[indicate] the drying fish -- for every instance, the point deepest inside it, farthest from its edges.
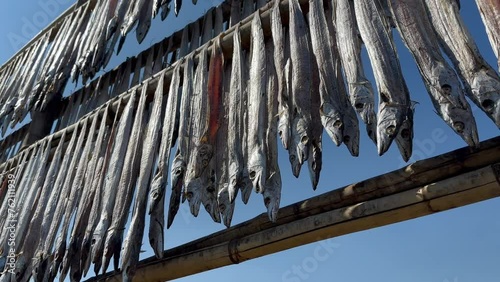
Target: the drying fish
(300, 61)
(179, 163)
(439, 78)
(132, 244)
(28, 208)
(28, 248)
(349, 45)
(248, 8)
(202, 147)
(80, 192)
(103, 158)
(177, 7)
(215, 100)
(112, 179)
(394, 98)
(128, 179)
(165, 9)
(195, 37)
(65, 207)
(314, 161)
(292, 153)
(219, 20)
(224, 205)
(235, 126)
(235, 16)
(336, 113)
(351, 124)
(207, 27)
(279, 61)
(490, 13)
(272, 193)
(53, 213)
(144, 21)
(159, 182)
(482, 83)
(256, 161)
(85, 206)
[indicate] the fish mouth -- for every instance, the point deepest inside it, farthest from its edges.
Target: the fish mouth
(272, 205)
(383, 142)
(232, 188)
(256, 175)
(371, 130)
(467, 132)
(352, 144)
(333, 124)
(246, 187)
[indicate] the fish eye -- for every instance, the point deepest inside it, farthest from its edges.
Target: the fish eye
(359, 106)
(488, 105)
(204, 162)
(267, 201)
(222, 207)
(304, 140)
(210, 189)
(252, 174)
(337, 123)
(390, 130)
(446, 88)
(405, 133)
(292, 158)
(459, 126)
(233, 182)
(347, 138)
(189, 195)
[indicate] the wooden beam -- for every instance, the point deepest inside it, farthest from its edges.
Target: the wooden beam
(447, 181)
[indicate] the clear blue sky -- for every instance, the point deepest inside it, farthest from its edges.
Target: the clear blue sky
(460, 245)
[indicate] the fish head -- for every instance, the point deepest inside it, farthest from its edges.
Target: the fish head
(246, 187)
(404, 140)
(462, 121)
(157, 192)
(178, 170)
(193, 194)
(332, 122)
(204, 153)
(234, 173)
(142, 30)
(209, 198)
(363, 104)
(272, 196)
(226, 206)
(315, 163)
(390, 119)
(485, 86)
(257, 171)
(351, 134)
(294, 161)
(112, 27)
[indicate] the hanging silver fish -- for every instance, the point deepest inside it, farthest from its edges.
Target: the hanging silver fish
(482, 83)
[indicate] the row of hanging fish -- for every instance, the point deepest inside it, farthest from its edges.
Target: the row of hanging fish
(83, 45)
(222, 117)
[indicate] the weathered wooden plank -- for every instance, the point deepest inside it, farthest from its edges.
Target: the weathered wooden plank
(420, 200)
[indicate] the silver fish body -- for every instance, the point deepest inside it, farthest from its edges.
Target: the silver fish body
(440, 79)
(482, 83)
(394, 98)
(349, 45)
(256, 108)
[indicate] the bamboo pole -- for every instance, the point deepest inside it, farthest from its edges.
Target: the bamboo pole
(457, 191)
